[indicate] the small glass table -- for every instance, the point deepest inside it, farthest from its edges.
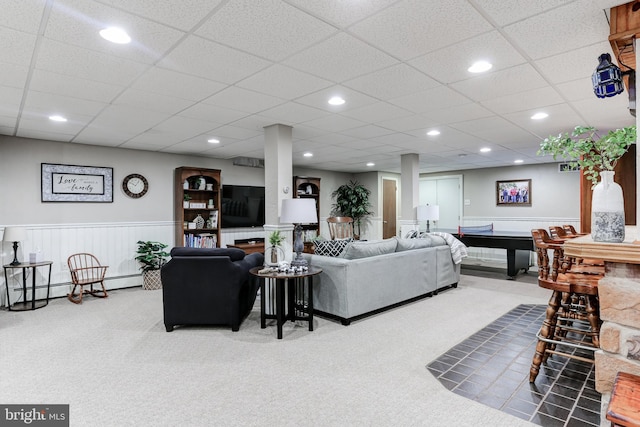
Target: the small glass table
(299, 304)
(25, 304)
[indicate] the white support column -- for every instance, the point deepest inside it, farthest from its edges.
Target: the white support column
(410, 194)
(278, 177)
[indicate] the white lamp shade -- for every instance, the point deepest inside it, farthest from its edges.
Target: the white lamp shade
(14, 234)
(299, 211)
(428, 213)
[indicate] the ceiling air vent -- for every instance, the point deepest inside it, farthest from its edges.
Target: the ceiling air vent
(249, 162)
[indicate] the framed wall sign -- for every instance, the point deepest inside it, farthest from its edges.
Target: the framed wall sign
(71, 183)
(513, 193)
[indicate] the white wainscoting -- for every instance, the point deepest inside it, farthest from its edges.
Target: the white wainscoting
(114, 244)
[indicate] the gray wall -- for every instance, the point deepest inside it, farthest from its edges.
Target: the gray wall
(553, 194)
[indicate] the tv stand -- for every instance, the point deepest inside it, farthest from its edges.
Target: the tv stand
(249, 246)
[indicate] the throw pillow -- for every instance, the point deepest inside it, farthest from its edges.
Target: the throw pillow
(332, 248)
(359, 249)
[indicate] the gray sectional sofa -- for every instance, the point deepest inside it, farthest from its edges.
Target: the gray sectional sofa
(371, 276)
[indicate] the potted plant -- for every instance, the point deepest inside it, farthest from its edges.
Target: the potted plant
(352, 200)
(597, 157)
(152, 256)
(275, 239)
(185, 203)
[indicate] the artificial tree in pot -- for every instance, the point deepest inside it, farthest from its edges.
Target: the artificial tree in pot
(152, 257)
(352, 200)
(597, 157)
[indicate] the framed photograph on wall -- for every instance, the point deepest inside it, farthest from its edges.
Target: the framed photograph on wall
(513, 193)
(71, 183)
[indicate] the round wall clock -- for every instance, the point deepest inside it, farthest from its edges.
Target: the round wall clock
(135, 185)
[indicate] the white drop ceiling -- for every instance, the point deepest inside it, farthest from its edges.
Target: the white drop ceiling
(201, 69)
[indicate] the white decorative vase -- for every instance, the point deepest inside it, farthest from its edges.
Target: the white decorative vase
(607, 210)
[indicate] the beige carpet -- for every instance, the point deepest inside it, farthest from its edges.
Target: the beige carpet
(113, 362)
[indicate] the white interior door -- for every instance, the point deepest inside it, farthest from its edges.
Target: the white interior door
(445, 192)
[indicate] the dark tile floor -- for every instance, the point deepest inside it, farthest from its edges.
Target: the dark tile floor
(492, 367)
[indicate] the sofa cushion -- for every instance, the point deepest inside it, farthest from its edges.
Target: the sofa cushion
(358, 249)
(410, 244)
(233, 253)
(331, 247)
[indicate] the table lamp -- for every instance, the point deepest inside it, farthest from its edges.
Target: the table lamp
(298, 211)
(15, 235)
(428, 213)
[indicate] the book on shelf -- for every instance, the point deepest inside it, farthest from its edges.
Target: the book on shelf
(203, 240)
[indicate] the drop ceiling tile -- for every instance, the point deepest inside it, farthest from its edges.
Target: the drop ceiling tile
(179, 85)
(12, 75)
(243, 100)
(152, 101)
(374, 113)
(321, 98)
(67, 106)
(408, 123)
(292, 113)
(78, 22)
(41, 123)
(278, 30)
(450, 64)
(183, 15)
(576, 90)
(587, 27)
(392, 82)
(432, 99)
(537, 98)
(11, 98)
(16, 46)
(60, 84)
(339, 12)
(341, 57)
(46, 134)
(517, 79)
(235, 132)
(72, 61)
(104, 134)
(517, 9)
(217, 114)
(558, 114)
(204, 58)
(22, 15)
(184, 128)
(284, 82)
(493, 129)
(579, 63)
(458, 113)
(365, 132)
(127, 119)
(606, 114)
(412, 28)
(334, 123)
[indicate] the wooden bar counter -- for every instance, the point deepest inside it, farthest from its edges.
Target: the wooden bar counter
(619, 296)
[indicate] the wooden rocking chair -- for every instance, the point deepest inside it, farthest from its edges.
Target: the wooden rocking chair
(86, 270)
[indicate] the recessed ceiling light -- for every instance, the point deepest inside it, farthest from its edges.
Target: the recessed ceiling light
(539, 116)
(433, 132)
(485, 149)
(336, 100)
(213, 141)
(518, 161)
(371, 164)
(480, 67)
(308, 154)
(115, 35)
(57, 118)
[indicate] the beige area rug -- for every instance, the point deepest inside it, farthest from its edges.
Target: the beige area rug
(113, 363)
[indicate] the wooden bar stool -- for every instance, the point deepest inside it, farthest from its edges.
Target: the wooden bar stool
(572, 318)
(624, 406)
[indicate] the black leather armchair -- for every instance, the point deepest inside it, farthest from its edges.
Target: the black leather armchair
(208, 286)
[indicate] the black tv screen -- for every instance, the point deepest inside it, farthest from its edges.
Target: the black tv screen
(242, 206)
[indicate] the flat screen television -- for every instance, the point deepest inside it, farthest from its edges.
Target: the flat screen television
(242, 206)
